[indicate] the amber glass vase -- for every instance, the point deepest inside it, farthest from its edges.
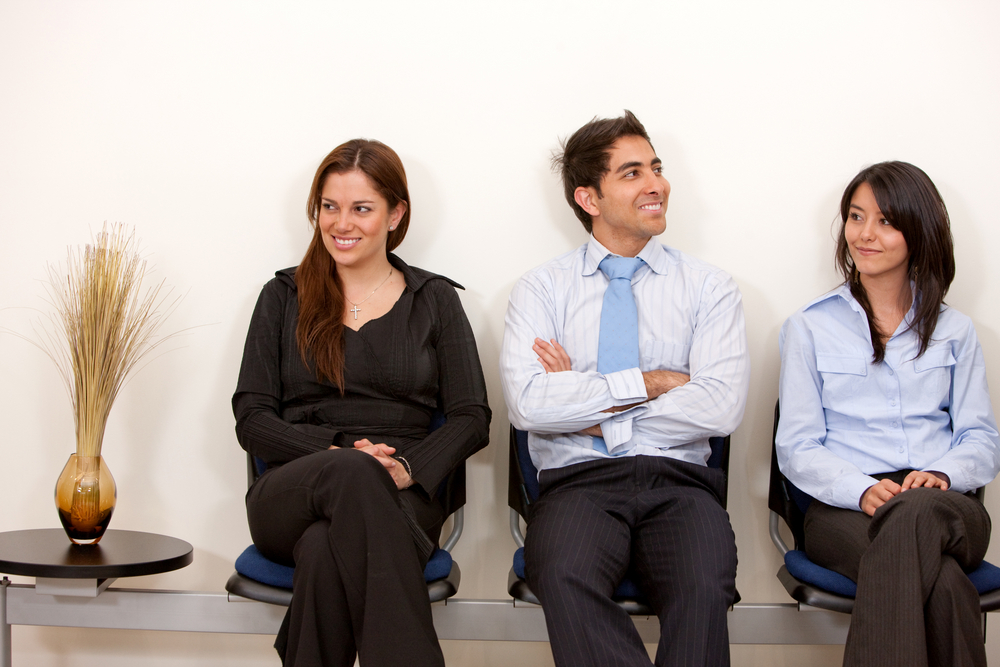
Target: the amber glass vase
(85, 497)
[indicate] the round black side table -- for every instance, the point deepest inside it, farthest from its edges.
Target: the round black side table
(120, 553)
(63, 568)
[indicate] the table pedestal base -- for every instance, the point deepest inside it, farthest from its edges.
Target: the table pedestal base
(78, 588)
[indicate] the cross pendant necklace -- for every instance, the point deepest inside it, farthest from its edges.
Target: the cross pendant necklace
(356, 308)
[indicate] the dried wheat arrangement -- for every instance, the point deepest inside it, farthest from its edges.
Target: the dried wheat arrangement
(104, 324)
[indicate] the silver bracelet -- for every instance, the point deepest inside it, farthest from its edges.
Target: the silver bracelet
(406, 464)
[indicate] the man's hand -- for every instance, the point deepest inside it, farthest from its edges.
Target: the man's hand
(551, 355)
(878, 495)
(930, 480)
(383, 454)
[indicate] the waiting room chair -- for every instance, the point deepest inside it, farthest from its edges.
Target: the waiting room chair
(258, 578)
(522, 492)
(817, 586)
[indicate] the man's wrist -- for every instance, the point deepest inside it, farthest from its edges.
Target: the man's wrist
(660, 382)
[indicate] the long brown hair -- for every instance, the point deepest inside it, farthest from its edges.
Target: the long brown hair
(320, 330)
(912, 204)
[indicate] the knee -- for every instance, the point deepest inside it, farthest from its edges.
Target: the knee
(915, 500)
(352, 467)
(919, 504)
(313, 548)
(712, 577)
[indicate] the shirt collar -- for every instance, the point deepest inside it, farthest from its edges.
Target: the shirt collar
(844, 292)
(652, 254)
(415, 278)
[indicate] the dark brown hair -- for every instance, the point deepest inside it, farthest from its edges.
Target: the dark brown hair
(585, 156)
(320, 330)
(910, 202)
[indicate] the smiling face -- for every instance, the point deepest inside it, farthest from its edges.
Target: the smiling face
(355, 219)
(878, 249)
(632, 205)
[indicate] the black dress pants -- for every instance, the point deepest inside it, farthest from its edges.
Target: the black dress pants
(915, 605)
(359, 586)
(656, 519)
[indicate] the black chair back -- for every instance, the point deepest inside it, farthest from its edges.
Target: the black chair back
(784, 498)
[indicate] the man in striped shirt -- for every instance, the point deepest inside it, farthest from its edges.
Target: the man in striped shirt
(622, 454)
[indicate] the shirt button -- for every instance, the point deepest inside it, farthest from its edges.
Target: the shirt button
(892, 402)
(900, 450)
(894, 426)
(890, 371)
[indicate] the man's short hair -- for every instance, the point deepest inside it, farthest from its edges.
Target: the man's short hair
(585, 156)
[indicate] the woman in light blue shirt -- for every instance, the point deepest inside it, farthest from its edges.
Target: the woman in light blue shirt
(886, 422)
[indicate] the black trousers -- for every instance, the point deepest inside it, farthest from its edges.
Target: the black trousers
(359, 587)
(658, 520)
(915, 605)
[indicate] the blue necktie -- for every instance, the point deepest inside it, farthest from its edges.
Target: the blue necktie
(618, 345)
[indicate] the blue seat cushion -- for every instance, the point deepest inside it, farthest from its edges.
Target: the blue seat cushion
(626, 589)
(438, 567)
(985, 578)
(519, 563)
(806, 571)
(253, 565)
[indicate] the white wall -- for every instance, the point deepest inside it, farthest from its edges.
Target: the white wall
(200, 123)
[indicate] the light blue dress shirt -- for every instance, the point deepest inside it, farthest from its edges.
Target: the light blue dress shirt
(690, 321)
(844, 418)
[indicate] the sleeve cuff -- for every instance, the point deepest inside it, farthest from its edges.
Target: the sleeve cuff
(618, 429)
(626, 386)
(851, 490)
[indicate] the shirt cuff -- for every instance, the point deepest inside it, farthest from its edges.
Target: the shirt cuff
(626, 386)
(617, 429)
(851, 490)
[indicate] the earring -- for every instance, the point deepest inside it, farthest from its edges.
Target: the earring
(392, 229)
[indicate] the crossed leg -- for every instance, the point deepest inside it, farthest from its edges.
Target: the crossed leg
(914, 606)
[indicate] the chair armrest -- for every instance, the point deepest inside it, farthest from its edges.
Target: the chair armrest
(458, 524)
(515, 528)
(773, 528)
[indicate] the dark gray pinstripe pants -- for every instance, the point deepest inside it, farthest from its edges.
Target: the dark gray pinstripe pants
(659, 521)
(915, 605)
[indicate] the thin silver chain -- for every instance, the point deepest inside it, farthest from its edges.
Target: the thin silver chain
(356, 308)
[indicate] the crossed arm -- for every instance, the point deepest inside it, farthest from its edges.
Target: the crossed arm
(698, 357)
(554, 359)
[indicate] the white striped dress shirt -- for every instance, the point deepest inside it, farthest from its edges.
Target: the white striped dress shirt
(690, 321)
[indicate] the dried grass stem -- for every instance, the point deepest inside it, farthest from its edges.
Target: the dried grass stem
(105, 325)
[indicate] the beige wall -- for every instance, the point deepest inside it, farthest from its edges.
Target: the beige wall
(200, 123)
